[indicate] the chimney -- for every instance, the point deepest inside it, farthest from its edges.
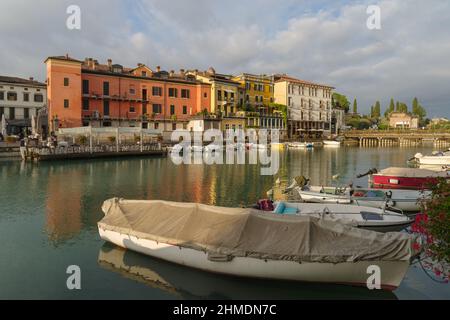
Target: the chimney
(90, 63)
(158, 68)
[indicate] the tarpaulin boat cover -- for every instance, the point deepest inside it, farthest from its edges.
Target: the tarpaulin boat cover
(245, 232)
(412, 173)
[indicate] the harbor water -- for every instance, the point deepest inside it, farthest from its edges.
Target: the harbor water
(49, 213)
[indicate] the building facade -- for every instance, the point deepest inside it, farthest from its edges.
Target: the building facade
(83, 93)
(224, 91)
(403, 121)
(310, 112)
(20, 100)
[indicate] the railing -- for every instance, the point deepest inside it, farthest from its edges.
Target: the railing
(85, 149)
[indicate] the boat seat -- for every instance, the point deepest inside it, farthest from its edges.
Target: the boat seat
(371, 216)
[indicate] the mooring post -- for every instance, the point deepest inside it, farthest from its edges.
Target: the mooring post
(117, 139)
(90, 139)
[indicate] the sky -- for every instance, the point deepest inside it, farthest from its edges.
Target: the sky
(324, 41)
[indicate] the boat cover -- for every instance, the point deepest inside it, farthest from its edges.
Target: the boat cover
(411, 173)
(246, 232)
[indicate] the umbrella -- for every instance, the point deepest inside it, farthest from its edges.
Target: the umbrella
(33, 125)
(3, 125)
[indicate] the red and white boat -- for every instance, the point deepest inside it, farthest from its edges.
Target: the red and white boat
(405, 178)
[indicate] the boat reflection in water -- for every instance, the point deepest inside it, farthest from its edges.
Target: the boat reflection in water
(187, 283)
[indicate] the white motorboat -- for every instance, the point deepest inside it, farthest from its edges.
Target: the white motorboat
(436, 159)
(331, 143)
(404, 200)
(297, 145)
(243, 242)
(370, 218)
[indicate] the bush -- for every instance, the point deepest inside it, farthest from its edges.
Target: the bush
(434, 225)
(81, 140)
(112, 139)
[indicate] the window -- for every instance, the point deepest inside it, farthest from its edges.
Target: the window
(106, 88)
(247, 98)
(184, 109)
(232, 95)
(205, 95)
(106, 108)
(85, 86)
(132, 109)
(26, 96)
(255, 87)
(156, 125)
(247, 86)
(26, 113)
(173, 92)
(157, 91)
(144, 73)
(172, 109)
(12, 96)
(66, 82)
(38, 98)
(2, 95)
(174, 126)
(157, 108)
(185, 93)
(12, 113)
(85, 104)
(219, 95)
(66, 103)
(132, 91)
(144, 109)
(2, 111)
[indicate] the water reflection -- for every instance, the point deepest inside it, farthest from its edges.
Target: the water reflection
(187, 283)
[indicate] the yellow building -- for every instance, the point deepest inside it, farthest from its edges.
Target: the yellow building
(224, 91)
(256, 91)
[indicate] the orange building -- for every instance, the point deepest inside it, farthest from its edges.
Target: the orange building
(83, 93)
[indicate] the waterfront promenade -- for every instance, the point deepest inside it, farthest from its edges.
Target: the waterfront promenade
(398, 137)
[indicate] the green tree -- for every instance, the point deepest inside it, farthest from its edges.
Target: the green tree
(418, 110)
(390, 109)
(372, 112)
(402, 107)
(339, 101)
(377, 110)
(355, 106)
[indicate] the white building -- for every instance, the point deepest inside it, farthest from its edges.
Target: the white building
(20, 99)
(310, 111)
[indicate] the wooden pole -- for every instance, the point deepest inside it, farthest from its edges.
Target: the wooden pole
(117, 139)
(90, 139)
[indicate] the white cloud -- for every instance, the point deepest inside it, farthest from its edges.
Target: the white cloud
(315, 40)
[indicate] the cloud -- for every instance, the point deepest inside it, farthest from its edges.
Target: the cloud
(324, 41)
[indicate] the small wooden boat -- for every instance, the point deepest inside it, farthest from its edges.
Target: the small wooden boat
(405, 178)
(369, 218)
(243, 242)
(404, 200)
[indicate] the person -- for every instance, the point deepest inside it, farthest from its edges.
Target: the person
(23, 147)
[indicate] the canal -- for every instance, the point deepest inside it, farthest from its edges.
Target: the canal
(49, 211)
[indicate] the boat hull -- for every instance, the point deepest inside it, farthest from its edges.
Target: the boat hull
(395, 182)
(351, 273)
(434, 160)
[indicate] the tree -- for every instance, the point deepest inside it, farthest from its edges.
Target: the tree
(402, 107)
(372, 112)
(419, 111)
(390, 109)
(339, 101)
(377, 110)
(355, 106)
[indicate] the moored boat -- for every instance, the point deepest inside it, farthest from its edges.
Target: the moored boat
(404, 200)
(331, 143)
(297, 145)
(244, 242)
(405, 178)
(436, 159)
(369, 218)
